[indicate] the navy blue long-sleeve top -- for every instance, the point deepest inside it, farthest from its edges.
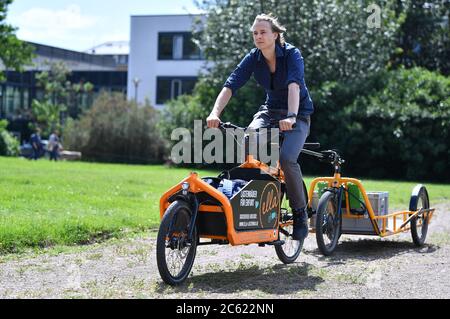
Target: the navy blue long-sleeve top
(289, 69)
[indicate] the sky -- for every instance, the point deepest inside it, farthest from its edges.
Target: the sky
(82, 24)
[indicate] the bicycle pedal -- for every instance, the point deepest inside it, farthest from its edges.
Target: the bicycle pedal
(287, 218)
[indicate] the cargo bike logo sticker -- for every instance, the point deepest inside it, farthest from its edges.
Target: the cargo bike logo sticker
(270, 203)
(256, 206)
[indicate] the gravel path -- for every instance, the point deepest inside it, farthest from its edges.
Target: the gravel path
(362, 267)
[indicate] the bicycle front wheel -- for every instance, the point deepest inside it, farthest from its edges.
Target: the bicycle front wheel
(175, 254)
(328, 223)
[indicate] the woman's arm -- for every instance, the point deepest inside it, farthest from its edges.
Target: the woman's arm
(222, 100)
(293, 98)
(236, 80)
(293, 105)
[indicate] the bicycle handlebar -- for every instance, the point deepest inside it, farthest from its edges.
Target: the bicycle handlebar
(273, 124)
(226, 125)
(329, 156)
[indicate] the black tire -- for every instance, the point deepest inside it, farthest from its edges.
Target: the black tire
(178, 215)
(328, 223)
(419, 224)
(291, 249)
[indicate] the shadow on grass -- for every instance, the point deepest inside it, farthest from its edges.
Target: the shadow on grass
(277, 279)
(372, 249)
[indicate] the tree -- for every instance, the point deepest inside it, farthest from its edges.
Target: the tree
(80, 96)
(48, 111)
(334, 36)
(403, 127)
(395, 125)
(60, 96)
(13, 52)
(363, 97)
(424, 37)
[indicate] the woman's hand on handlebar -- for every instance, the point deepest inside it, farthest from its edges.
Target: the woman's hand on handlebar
(287, 124)
(213, 121)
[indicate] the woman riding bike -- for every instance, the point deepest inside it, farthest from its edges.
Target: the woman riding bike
(278, 67)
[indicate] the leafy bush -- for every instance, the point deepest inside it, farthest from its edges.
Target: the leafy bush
(116, 130)
(9, 145)
(406, 126)
(394, 126)
(181, 113)
(422, 39)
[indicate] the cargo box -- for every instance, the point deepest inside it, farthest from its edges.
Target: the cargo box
(361, 224)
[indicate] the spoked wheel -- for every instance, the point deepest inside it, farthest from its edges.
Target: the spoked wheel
(290, 250)
(419, 224)
(328, 223)
(175, 254)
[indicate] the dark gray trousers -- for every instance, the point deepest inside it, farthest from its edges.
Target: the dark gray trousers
(293, 143)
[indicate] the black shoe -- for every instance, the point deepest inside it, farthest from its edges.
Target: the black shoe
(301, 229)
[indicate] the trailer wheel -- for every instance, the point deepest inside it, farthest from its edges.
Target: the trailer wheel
(419, 224)
(174, 253)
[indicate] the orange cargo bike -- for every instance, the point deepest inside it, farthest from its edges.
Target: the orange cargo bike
(242, 206)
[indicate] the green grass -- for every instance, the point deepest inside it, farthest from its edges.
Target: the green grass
(45, 203)
(400, 192)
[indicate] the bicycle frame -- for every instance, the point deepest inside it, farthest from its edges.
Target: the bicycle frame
(249, 214)
(197, 185)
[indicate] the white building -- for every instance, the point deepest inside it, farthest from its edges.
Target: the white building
(163, 60)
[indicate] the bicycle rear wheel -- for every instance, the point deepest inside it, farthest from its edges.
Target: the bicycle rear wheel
(291, 249)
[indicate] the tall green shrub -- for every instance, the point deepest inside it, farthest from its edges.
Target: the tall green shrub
(116, 130)
(9, 145)
(396, 125)
(406, 126)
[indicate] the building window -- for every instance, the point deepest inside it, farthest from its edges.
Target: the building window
(2, 102)
(13, 103)
(177, 51)
(177, 46)
(11, 100)
(169, 88)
